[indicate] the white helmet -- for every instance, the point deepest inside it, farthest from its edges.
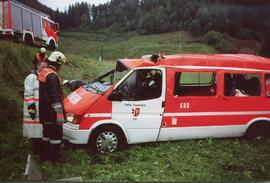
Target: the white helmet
(42, 50)
(65, 81)
(57, 57)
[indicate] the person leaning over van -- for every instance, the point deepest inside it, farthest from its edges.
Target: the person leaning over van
(51, 107)
(73, 84)
(32, 127)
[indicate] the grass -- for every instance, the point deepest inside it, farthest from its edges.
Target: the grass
(189, 160)
(129, 45)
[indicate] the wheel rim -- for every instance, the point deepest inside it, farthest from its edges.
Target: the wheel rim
(259, 138)
(106, 142)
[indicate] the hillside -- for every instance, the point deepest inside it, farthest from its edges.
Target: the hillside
(130, 45)
(190, 160)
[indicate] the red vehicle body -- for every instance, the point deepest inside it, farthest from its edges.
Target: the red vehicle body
(27, 24)
(191, 97)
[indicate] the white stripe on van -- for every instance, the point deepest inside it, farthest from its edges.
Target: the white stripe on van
(231, 113)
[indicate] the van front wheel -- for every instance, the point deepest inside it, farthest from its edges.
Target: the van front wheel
(106, 139)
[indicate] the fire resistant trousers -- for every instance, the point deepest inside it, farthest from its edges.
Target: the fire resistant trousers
(52, 138)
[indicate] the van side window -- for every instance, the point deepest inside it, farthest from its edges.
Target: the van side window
(144, 84)
(195, 84)
(267, 85)
(241, 85)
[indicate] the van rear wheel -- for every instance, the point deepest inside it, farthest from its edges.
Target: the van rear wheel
(29, 40)
(51, 46)
(258, 131)
(106, 139)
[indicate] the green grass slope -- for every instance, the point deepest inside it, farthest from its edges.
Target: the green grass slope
(129, 45)
(189, 160)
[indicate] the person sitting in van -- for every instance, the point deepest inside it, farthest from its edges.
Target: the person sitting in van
(240, 85)
(240, 93)
(144, 84)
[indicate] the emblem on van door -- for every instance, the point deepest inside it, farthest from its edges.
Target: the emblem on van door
(136, 112)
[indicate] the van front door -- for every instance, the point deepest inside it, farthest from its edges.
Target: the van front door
(140, 107)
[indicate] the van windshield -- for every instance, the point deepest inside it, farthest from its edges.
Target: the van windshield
(103, 83)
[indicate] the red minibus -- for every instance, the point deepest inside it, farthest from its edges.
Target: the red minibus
(171, 98)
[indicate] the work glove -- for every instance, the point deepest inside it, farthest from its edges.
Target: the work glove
(60, 119)
(32, 111)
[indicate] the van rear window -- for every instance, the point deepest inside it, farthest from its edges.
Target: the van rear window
(242, 85)
(195, 84)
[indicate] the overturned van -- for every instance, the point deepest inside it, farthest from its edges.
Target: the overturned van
(174, 97)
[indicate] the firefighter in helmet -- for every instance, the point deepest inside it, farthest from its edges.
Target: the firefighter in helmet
(52, 114)
(40, 56)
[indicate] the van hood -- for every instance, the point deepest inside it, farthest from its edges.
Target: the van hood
(79, 101)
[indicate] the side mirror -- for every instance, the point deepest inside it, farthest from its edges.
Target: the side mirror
(115, 96)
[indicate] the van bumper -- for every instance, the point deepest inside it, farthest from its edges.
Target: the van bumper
(74, 135)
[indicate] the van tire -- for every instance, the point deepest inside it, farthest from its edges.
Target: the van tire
(28, 40)
(51, 45)
(110, 130)
(257, 131)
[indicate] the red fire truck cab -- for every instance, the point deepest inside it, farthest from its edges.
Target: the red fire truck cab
(177, 97)
(27, 24)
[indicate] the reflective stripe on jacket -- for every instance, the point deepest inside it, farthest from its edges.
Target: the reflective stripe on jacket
(31, 127)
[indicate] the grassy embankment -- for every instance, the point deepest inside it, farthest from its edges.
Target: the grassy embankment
(190, 160)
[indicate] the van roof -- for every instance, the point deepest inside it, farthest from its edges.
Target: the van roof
(210, 60)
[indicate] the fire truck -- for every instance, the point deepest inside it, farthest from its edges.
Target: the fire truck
(175, 97)
(27, 24)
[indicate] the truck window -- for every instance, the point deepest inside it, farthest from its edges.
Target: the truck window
(145, 84)
(267, 85)
(241, 85)
(195, 84)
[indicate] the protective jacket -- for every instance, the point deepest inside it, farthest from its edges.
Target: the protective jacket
(38, 58)
(51, 94)
(31, 124)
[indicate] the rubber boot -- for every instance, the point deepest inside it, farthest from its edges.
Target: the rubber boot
(44, 151)
(54, 153)
(36, 145)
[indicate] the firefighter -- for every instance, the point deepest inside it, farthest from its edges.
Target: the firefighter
(40, 56)
(31, 125)
(51, 107)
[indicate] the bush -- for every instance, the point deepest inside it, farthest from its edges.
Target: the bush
(265, 48)
(248, 34)
(10, 113)
(195, 28)
(226, 46)
(117, 28)
(221, 41)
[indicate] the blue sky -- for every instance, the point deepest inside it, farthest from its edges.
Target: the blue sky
(62, 4)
